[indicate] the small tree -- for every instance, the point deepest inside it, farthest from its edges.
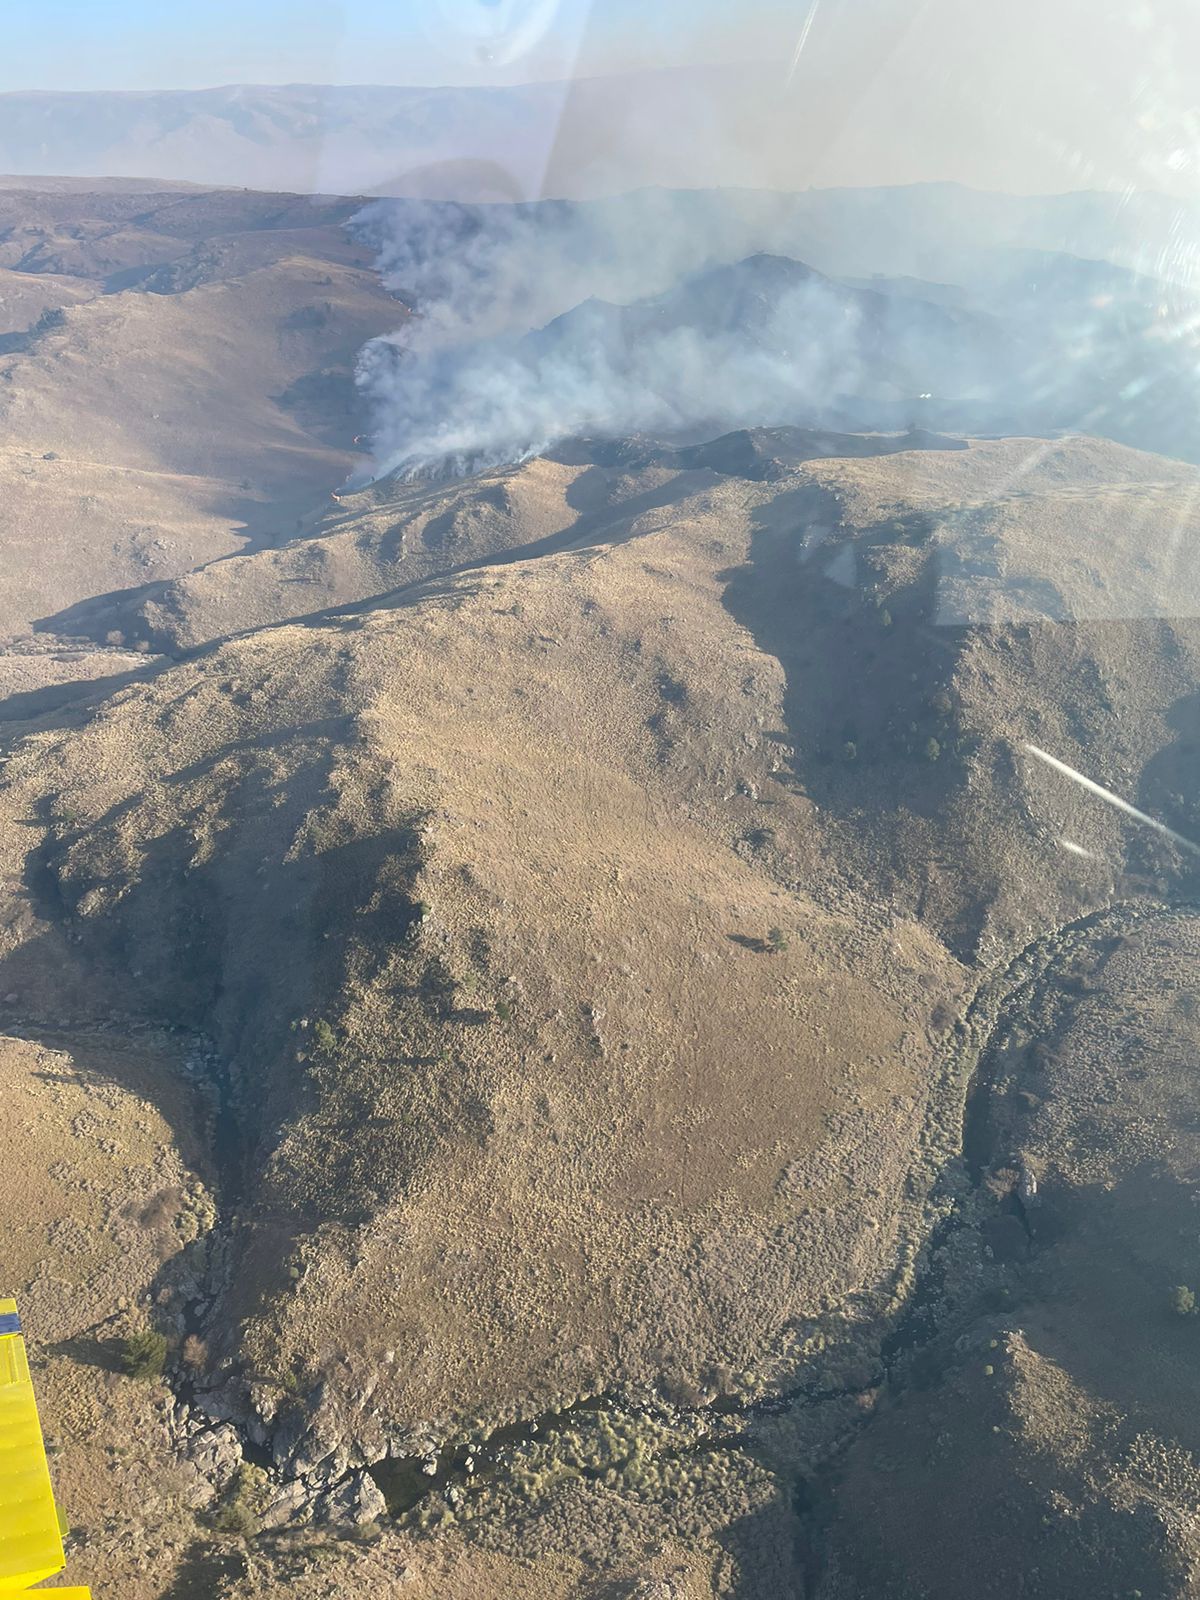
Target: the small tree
(932, 749)
(194, 1354)
(235, 1515)
(777, 941)
(1183, 1301)
(144, 1354)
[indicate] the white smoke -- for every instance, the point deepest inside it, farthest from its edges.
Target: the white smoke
(462, 385)
(481, 373)
(476, 271)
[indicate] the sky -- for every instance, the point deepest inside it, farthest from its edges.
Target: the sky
(1024, 95)
(141, 44)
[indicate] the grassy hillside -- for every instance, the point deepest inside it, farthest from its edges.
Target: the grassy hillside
(585, 1003)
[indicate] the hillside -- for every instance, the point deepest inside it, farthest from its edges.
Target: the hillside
(175, 383)
(570, 995)
(472, 890)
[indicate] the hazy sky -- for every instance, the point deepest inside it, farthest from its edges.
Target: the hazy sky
(1016, 94)
(135, 44)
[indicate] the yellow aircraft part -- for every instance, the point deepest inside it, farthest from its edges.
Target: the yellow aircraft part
(30, 1536)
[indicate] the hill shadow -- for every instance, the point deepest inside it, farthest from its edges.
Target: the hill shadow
(1170, 780)
(261, 525)
(250, 950)
(867, 703)
(23, 705)
(207, 1571)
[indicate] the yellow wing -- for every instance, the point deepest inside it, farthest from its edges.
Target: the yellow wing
(30, 1538)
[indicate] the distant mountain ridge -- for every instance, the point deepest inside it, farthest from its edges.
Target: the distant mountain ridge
(299, 137)
(588, 137)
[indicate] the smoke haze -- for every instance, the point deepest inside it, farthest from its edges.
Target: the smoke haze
(682, 312)
(462, 382)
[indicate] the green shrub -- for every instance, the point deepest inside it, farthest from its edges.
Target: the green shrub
(236, 1515)
(144, 1354)
(932, 749)
(324, 1036)
(1183, 1301)
(777, 941)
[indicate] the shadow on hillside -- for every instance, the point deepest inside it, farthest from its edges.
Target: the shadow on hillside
(252, 948)
(26, 704)
(261, 524)
(866, 702)
(1105, 1316)
(771, 1550)
(90, 1352)
(100, 615)
(206, 1572)
(1090, 1401)
(1170, 780)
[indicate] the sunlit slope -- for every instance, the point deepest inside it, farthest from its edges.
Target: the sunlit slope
(385, 539)
(113, 233)
(152, 429)
(25, 297)
(392, 534)
(196, 382)
(1032, 530)
(932, 610)
(583, 924)
(75, 527)
(476, 894)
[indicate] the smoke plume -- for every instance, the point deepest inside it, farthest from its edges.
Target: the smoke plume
(482, 372)
(681, 312)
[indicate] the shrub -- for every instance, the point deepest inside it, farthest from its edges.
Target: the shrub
(1183, 1301)
(849, 751)
(932, 749)
(777, 941)
(194, 1354)
(236, 1514)
(144, 1354)
(324, 1036)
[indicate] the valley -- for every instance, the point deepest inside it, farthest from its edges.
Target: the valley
(558, 999)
